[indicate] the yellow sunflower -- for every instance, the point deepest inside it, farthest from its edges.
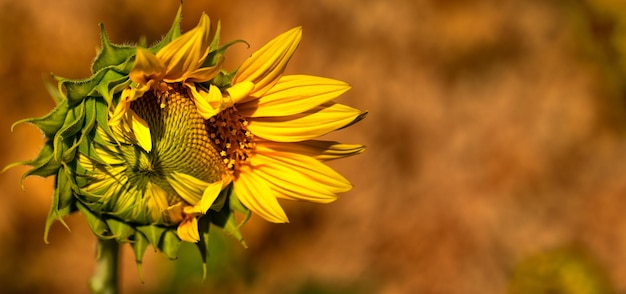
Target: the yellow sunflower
(162, 142)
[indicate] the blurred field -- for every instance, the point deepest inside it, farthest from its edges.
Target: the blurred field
(495, 160)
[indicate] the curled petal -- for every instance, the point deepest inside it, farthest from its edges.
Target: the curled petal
(141, 131)
(146, 67)
(209, 195)
(156, 201)
(266, 64)
(188, 230)
(320, 150)
(308, 125)
(209, 103)
(188, 187)
(294, 94)
(185, 54)
(240, 91)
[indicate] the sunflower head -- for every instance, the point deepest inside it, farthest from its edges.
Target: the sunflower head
(161, 143)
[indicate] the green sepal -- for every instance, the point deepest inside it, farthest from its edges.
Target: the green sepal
(88, 125)
(140, 245)
(55, 92)
(222, 80)
(110, 54)
(220, 201)
(44, 165)
(65, 137)
(86, 147)
(204, 224)
(232, 228)
(67, 188)
(102, 118)
(120, 230)
(172, 34)
(153, 233)
(77, 90)
(97, 225)
(225, 217)
(50, 123)
(215, 55)
(170, 243)
(236, 205)
(62, 202)
(111, 83)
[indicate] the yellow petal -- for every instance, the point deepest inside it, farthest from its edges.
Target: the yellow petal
(266, 64)
(209, 196)
(292, 182)
(173, 214)
(255, 193)
(128, 95)
(141, 130)
(240, 91)
(204, 74)
(188, 187)
(209, 103)
(320, 150)
(294, 94)
(146, 67)
(188, 230)
(156, 201)
(185, 54)
(308, 125)
(285, 163)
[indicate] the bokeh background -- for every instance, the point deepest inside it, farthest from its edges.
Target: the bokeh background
(495, 160)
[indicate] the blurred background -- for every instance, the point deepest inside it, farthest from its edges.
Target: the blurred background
(495, 160)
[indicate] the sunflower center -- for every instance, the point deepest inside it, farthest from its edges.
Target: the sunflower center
(180, 138)
(228, 132)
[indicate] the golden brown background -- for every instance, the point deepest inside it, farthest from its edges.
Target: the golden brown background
(495, 158)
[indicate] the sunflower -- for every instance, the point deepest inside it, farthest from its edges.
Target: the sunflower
(162, 143)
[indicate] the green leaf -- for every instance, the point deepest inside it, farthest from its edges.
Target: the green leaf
(51, 122)
(110, 54)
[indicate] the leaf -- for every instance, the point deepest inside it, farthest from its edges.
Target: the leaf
(110, 54)
(50, 123)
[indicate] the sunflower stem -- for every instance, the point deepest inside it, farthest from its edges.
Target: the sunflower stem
(105, 277)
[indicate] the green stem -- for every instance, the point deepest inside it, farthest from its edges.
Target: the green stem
(105, 277)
